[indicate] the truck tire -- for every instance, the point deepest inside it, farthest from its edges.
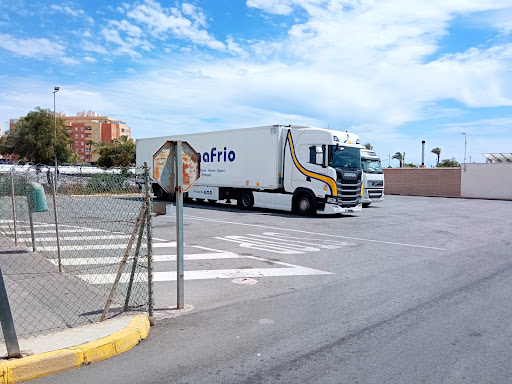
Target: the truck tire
(159, 193)
(245, 200)
(304, 204)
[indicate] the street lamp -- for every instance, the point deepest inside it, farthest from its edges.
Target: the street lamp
(55, 90)
(465, 143)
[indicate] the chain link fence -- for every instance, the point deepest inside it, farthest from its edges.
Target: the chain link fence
(76, 252)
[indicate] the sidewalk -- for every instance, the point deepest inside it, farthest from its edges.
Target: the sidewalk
(43, 300)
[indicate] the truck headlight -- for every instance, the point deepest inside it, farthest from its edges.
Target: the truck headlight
(332, 200)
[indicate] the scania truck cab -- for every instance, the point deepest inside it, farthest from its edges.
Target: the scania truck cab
(373, 177)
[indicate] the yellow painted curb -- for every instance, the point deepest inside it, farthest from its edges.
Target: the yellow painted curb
(44, 364)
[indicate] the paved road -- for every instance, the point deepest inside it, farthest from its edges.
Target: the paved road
(412, 290)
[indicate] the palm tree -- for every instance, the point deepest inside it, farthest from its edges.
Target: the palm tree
(399, 157)
(368, 146)
(437, 151)
(90, 144)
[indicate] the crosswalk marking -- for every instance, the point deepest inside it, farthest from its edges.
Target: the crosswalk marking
(80, 238)
(209, 274)
(100, 246)
(156, 258)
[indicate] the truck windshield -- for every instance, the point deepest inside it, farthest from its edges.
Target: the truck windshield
(371, 165)
(344, 157)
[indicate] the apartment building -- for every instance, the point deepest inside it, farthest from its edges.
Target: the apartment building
(87, 128)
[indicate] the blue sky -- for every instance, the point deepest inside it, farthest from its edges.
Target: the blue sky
(395, 72)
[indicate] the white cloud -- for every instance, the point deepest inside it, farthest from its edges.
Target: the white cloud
(34, 48)
(162, 21)
(68, 10)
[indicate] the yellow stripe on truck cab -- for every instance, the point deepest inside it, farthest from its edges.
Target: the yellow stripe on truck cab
(326, 179)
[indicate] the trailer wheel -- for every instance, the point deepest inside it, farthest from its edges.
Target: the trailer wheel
(245, 200)
(305, 204)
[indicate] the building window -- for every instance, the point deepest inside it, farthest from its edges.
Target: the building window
(81, 149)
(82, 129)
(76, 142)
(82, 136)
(95, 136)
(76, 129)
(76, 136)
(76, 150)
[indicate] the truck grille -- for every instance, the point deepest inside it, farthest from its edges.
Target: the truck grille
(375, 194)
(349, 193)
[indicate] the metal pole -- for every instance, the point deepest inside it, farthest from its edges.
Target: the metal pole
(149, 234)
(134, 264)
(54, 193)
(55, 90)
(31, 221)
(14, 208)
(423, 153)
(465, 142)
(179, 224)
(123, 263)
(11, 340)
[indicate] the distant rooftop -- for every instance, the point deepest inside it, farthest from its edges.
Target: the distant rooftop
(498, 157)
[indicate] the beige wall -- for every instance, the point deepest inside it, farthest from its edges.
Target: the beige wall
(444, 182)
(490, 181)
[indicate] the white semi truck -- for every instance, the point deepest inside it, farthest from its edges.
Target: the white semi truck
(293, 168)
(373, 177)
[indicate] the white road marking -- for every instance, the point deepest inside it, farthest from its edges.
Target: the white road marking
(101, 246)
(80, 238)
(208, 274)
(282, 243)
(312, 233)
(156, 258)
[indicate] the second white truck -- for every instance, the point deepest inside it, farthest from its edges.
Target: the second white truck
(294, 168)
(373, 177)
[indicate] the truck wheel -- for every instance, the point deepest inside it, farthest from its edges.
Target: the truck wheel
(245, 200)
(305, 204)
(366, 205)
(159, 193)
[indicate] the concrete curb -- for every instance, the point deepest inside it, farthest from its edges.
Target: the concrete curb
(48, 363)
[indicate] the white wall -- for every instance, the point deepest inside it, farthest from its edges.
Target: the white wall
(487, 181)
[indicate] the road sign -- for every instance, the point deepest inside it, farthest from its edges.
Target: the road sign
(176, 167)
(164, 166)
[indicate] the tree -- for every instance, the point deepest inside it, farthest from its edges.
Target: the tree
(448, 163)
(33, 138)
(74, 158)
(118, 152)
(368, 146)
(410, 165)
(399, 157)
(90, 143)
(437, 151)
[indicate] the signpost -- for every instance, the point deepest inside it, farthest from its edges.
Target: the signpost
(176, 168)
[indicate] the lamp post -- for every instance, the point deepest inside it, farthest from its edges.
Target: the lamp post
(55, 90)
(465, 143)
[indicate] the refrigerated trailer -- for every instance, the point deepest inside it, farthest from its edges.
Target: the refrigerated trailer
(373, 177)
(292, 168)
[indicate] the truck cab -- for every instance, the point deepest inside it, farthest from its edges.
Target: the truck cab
(373, 177)
(323, 170)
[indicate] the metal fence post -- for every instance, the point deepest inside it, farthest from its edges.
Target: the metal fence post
(123, 263)
(149, 235)
(134, 265)
(54, 194)
(11, 340)
(14, 208)
(31, 221)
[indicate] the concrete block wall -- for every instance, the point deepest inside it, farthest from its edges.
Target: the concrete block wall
(443, 182)
(490, 181)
